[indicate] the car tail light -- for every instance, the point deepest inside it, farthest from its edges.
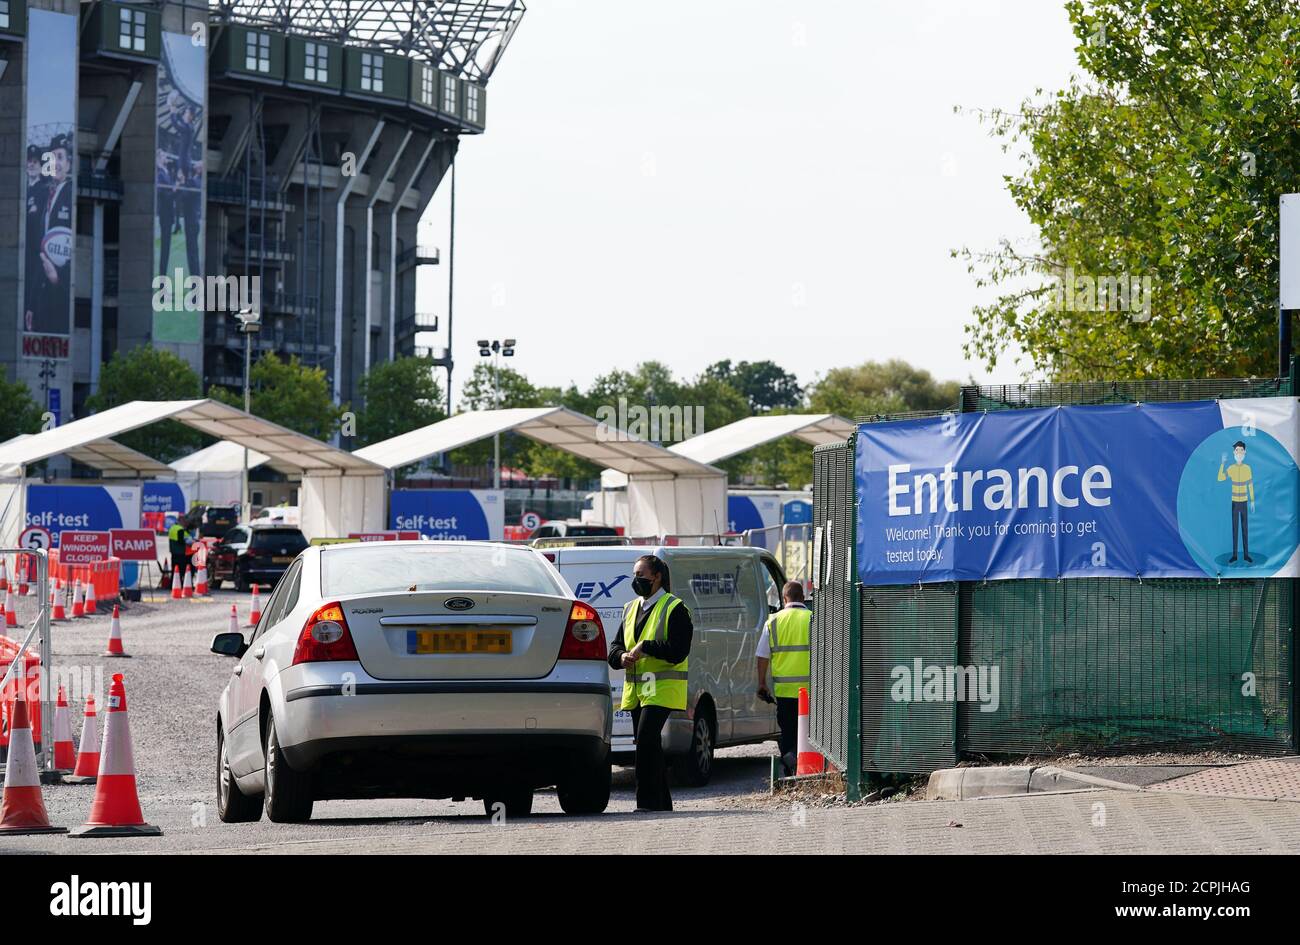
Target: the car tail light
(584, 637)
(325, 636)
(550, 556)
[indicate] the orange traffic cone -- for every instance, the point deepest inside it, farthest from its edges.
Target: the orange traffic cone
(21, 564)
(92, 601)
(234, 619)
(78, 600)
(23, 809)
(88, 758)
(176, 583)
(56, 603)
(187, 589)
(254, 609)
(116, 808)
(4, 575)
(201, 582)
(11, 614)
(65, 752)
(810, 762)
(115, 636)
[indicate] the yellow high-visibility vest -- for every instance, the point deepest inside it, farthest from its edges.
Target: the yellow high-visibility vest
(652, 681)
(789, 632)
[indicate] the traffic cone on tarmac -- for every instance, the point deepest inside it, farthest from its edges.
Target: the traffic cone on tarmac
(78, 600)
(187, 589)
(21, 564)
(115, 636)
(116, 808)
(176, 583)
(88, 758)
(92, 601)
(65, 752)
(56, 603)
(810, 762)
(11, 615)
(234, 619)
(4, 575)
(201, 583)
(254, 609)
(23, 809)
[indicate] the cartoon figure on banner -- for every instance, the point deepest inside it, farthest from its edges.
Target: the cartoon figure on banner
(1243, 495)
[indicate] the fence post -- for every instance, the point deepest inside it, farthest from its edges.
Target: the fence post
(853, 748)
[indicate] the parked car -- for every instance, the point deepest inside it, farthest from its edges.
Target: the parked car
(588, 531)
(258, 554)
(218, 520)
(415, 669)
(730, 592)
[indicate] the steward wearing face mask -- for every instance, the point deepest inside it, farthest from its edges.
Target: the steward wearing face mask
(652, 650)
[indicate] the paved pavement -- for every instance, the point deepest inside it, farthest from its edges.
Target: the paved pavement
(172, 686)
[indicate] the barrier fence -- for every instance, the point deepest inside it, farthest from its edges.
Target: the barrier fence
(1085, 664)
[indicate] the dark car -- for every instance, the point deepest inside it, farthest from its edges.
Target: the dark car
(218, 520)
(251, 554)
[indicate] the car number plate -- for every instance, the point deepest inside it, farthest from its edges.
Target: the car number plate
(623, 714)
(458, 641)
(282, 559)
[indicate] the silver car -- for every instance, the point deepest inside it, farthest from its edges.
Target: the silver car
(415, 669)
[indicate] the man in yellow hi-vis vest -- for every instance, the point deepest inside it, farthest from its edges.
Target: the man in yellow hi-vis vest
(652, 649)
(785, 642)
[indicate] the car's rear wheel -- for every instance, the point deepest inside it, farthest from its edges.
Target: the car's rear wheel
(513, 802)
(696, 766)
(288, 792)
(586, 789)
(233, 806)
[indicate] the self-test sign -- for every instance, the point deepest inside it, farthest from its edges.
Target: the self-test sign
(84, 547)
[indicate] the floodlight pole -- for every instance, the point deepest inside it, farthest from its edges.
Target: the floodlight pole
(249, 324)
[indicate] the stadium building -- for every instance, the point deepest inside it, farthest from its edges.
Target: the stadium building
(281, 152)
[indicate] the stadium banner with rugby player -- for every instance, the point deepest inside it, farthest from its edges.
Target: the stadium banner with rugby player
(1195, 489)
(50, 199)
(179, 298)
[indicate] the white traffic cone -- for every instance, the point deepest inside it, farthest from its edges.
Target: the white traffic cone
(116, 808)
(23, 808)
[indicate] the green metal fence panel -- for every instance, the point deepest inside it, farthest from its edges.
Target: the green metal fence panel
(830, 700)
(1112, 664)
(907, 631)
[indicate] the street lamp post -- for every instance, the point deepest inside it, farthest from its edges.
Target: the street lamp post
(250, 322)
(496, 350)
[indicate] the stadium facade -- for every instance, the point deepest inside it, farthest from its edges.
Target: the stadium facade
(163, 164)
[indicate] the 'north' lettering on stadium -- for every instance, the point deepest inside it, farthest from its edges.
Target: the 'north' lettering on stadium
(1000, 489)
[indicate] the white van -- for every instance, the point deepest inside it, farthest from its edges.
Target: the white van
(730, 592)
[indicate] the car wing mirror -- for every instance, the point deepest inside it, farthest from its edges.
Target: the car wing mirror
(229, 643)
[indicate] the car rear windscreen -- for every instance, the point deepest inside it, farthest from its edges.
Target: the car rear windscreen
(590, 531)
(287, 538)
(422, 566)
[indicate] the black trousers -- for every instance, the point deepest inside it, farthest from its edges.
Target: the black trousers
(651, 770)
(1239, 520)
(787, 717)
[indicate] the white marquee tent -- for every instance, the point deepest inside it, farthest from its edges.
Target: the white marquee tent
(341, 492)
(668, 493)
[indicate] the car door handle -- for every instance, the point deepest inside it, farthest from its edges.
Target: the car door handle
(259, 652)
(238, 670)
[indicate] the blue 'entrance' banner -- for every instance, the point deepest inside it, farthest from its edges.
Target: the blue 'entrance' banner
(1128, 490)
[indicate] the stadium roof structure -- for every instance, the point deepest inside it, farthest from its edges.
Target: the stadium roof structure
(464, 37)
(92, 437)
(735, 438)
(558, 427)
(111, 458)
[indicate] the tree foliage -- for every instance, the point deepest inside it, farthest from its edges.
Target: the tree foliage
(289, 393)
(148, 373)
(399, 396)
(19, 413)
(1163, 162)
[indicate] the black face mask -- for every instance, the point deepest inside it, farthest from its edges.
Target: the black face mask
(641, 586)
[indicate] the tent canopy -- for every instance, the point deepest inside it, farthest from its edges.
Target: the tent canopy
(743, 435)
(223, 456)
(292, 450)
(112, 459)
(559, 427)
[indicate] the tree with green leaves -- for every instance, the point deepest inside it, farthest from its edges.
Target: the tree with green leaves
(1153, 182)
(764, 384)
(19, 413)
(288, 393)
(399, 396)
(880, 387)
(149, 373)
(487, 389)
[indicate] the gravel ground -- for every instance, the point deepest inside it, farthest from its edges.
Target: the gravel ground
(172, 686)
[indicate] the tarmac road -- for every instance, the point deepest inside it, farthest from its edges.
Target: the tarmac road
(172, 684)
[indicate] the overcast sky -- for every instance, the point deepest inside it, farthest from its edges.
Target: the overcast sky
(691, 180)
